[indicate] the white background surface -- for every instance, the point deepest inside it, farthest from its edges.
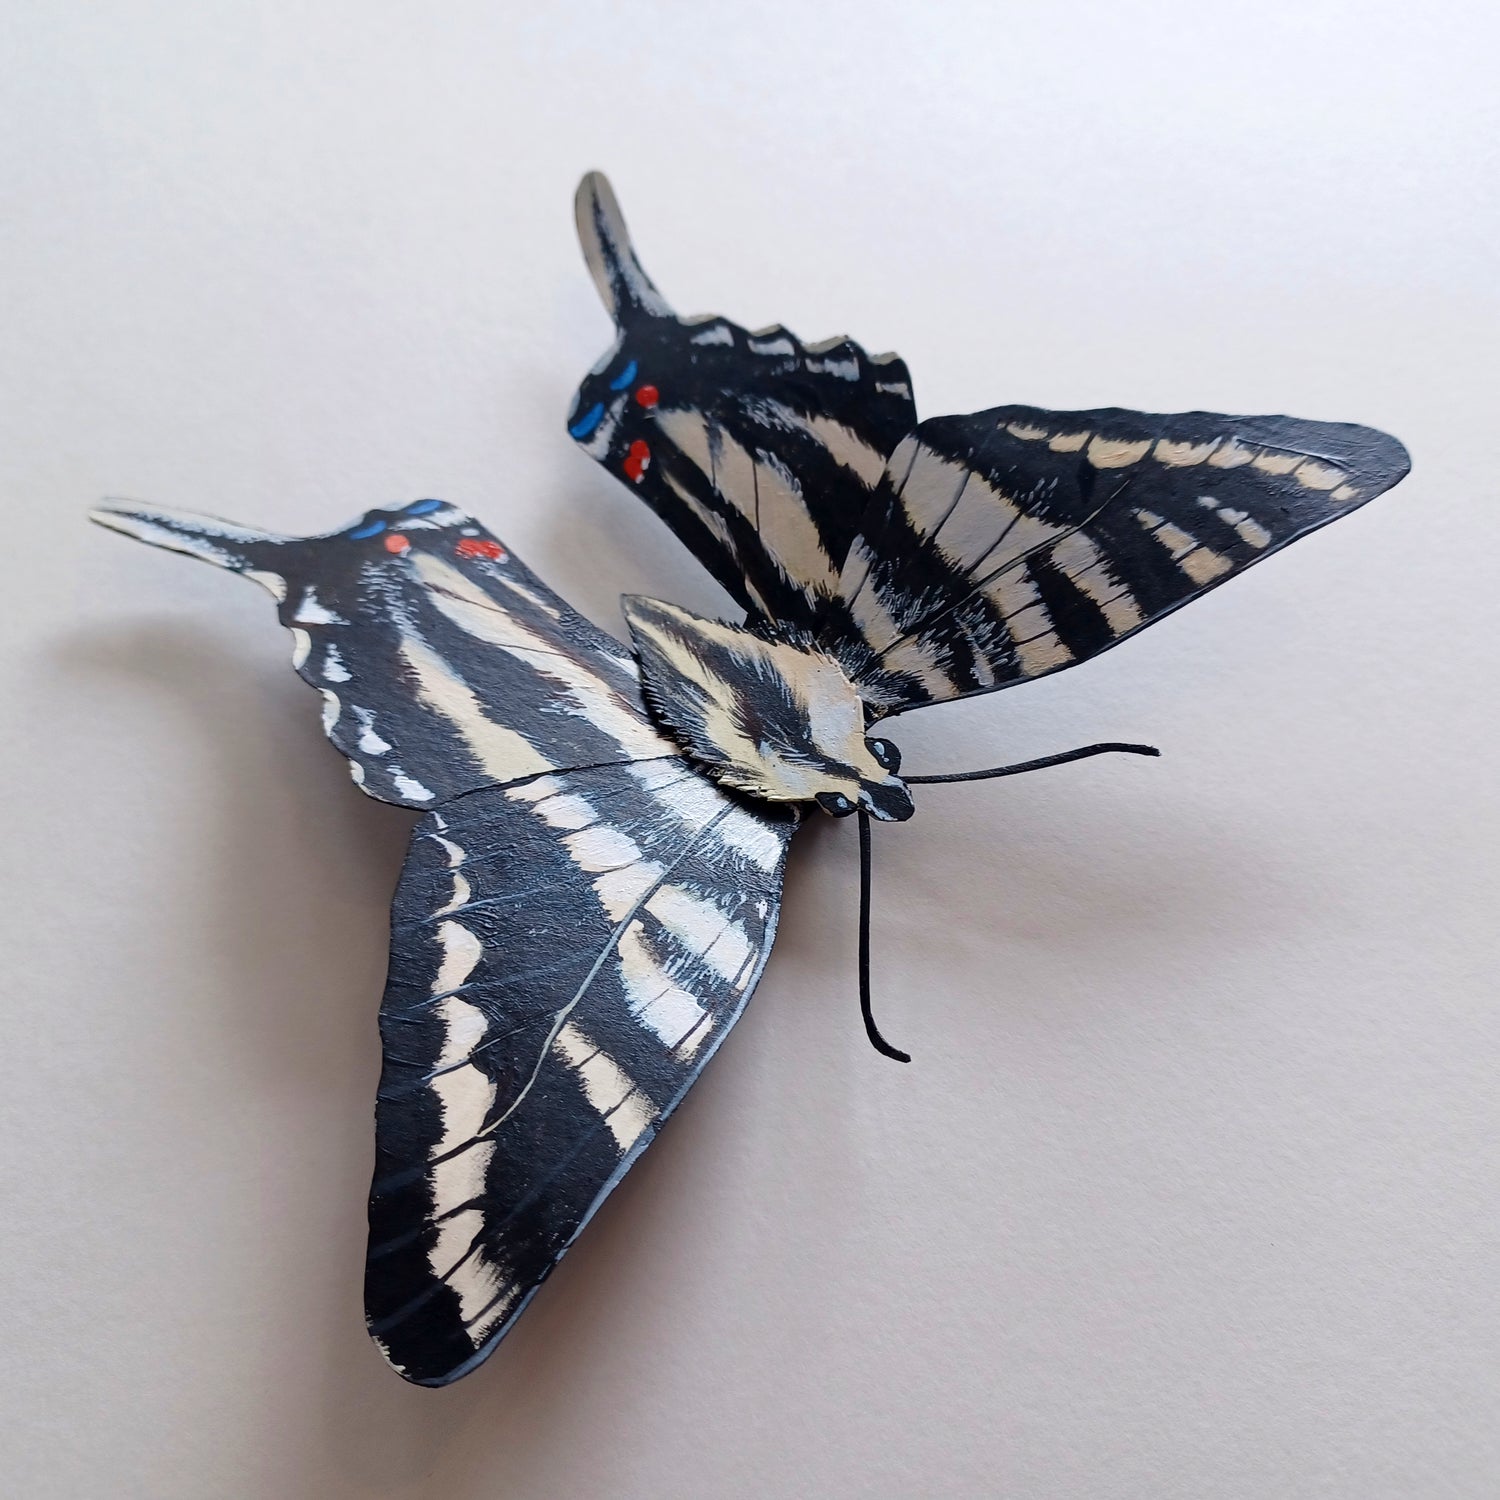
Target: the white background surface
(1191, 1190)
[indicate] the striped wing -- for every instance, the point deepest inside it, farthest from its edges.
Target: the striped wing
(444, 663)
(566, 955)
(1016, 541)
(759, 451)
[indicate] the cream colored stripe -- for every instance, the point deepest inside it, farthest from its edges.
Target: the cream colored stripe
(504, 754)
(702, 928)
(607, 1086)
(788, 529)
(588, 696)
(465, 1097)
(655, 999)
(933, 483)
(1087, 569)
(846, 445)
(1037, 643)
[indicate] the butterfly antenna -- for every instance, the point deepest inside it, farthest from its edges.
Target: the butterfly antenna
(866, 862)
(871, 1029)
(1108, 748)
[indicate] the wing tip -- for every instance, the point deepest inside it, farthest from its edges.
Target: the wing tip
(446, 1373)
(1391, 459)
(1374, 460)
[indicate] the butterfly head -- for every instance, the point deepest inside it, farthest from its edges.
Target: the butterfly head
(880, 793)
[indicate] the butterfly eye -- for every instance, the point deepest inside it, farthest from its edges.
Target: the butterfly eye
(887, 754)
(835, 803)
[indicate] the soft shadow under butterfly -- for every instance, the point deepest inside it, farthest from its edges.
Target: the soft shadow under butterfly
(592, 892)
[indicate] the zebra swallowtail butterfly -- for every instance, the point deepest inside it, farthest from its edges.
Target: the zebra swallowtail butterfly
(593, 887)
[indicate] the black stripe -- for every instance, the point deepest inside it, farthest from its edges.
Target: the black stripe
(553, 1156)
(941, 605)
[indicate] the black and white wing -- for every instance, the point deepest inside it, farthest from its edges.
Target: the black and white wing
(1015, 542)
(566, 955)
(759, 451)
(951, 558)
(444, 663)
(580, 920)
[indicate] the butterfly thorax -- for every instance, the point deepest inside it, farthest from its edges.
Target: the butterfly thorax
(774, 717)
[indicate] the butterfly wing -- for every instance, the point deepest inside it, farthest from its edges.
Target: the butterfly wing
(444, 663)
(580, 920)
(1014, 542)
(566, 955)
(761, 452)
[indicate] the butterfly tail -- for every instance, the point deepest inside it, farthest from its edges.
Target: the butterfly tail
(627, 291)
(222, 543)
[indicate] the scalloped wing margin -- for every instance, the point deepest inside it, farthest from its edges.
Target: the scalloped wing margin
(760, 452)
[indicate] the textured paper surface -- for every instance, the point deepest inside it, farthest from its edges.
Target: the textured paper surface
(1190, 1188)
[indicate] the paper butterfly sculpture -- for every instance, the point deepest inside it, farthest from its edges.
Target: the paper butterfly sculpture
(592, 891)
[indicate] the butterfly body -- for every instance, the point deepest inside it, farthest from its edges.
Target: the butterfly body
(770, 714)
(592, 890)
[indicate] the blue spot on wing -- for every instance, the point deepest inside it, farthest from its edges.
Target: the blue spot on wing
(424, 507)
(373, 529)
(623, 378)
(588, 421)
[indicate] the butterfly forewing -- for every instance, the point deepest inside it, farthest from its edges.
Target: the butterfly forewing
(566, 955)
(1017, 541)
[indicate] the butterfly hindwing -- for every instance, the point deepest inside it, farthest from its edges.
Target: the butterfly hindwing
(444, 663)
(760, 452)
(566, 955)
(1016, 541)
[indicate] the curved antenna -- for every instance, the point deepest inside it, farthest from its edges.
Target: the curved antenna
(866, 861)
(1107, 748)
(872, 1031)
(626, 289)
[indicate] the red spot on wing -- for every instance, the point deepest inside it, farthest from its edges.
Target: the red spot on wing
(480, 546)
(395, 542)
(637, 460)
(648, 395)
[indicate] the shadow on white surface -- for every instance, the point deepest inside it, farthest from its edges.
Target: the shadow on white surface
(278, 909)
